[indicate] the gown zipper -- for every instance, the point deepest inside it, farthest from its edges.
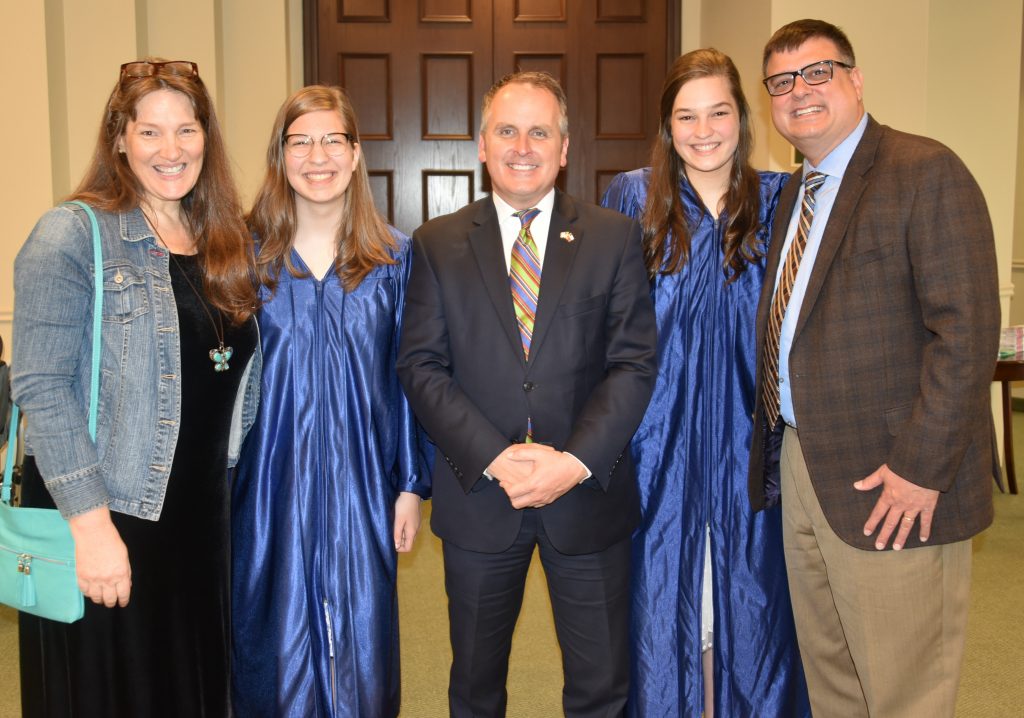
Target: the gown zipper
(328, 623)
(705, 555)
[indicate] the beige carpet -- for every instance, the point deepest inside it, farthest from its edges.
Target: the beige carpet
(993, 674)
(993, 679)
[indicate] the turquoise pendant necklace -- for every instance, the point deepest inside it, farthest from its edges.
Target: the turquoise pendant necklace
(220, 355)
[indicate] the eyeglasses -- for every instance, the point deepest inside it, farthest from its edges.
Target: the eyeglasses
(817, 73)
(145, 68)
(334, 144)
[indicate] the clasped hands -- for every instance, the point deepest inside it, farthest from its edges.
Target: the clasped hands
(900, 504)
(534, 475)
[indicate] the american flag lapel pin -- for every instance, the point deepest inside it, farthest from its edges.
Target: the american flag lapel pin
(567, 236)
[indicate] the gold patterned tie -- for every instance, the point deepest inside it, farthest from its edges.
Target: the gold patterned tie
(770, 392)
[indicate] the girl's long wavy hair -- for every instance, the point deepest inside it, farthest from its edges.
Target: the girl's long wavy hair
(211, 209)
(664, 221)
(363, 238)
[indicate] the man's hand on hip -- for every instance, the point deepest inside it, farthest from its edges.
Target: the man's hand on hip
(900, 504)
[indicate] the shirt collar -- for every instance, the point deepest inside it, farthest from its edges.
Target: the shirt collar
(505, 210)
(835, 162)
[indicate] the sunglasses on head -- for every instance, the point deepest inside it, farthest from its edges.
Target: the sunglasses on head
(145, 68)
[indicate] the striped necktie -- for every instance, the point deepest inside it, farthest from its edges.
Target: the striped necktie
(770, 390)
(524, 276)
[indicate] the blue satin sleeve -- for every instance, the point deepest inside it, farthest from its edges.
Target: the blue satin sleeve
(415, 451)
(626, 193)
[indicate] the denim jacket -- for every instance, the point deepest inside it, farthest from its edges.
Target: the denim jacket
(128, 465)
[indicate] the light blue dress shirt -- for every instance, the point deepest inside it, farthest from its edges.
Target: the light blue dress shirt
(834, 166)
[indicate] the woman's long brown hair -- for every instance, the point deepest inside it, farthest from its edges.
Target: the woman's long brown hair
(211, 209)
(664, 221)
(363, 238)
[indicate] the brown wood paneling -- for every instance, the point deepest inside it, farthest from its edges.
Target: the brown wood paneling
(620, 84)
(621, 11)
(363, 11)
(410, 110)
(446, 11)
(445, 191)
(447, 100)
(551, 63)
(610, 123)
(406, 39)
(540, 11)
(367, 80)
(382, 185)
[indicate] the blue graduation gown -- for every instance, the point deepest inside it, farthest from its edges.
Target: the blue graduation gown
(315, 611)
(691, 452)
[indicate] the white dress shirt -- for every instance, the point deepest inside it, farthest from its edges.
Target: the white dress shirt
(834, 167)
(510, 225)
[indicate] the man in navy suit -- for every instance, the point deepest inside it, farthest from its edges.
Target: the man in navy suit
(532, 414)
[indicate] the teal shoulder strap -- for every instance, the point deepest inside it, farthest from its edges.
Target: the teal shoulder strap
(12, 449)
(97, 317)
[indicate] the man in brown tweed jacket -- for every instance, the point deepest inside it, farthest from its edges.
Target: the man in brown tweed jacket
(884, 449)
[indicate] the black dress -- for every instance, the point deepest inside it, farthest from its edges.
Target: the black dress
(166, 653)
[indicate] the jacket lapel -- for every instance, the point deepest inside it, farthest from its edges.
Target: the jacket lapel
(783, 213)
(558, 260)
(485, 240)
(850, 191)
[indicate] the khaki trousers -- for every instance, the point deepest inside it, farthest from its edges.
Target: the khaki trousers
(881, 633)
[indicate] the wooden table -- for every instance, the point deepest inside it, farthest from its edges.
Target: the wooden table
(1008, 370)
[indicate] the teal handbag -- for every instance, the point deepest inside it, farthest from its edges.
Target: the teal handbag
(37, 553)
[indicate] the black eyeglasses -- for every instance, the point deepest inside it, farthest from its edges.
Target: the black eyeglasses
(334, 144)
(817, 73)
(145, 68)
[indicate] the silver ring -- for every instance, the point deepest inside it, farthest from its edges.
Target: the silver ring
(908, 518)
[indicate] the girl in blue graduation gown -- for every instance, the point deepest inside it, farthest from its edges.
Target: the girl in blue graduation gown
(334, 469)
(712, 624)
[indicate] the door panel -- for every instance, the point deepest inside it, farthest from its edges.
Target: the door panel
(416, 72)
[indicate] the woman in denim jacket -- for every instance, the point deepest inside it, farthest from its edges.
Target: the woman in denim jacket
(179, 367)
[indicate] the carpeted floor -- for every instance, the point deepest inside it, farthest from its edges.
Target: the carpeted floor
(992, 683)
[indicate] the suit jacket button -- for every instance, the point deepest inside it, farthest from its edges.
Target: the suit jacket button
(527, 386)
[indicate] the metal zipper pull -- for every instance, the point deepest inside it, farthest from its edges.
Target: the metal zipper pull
(330, 652)
(28, 585)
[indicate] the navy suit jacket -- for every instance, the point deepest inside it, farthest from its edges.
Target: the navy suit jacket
(585, 387)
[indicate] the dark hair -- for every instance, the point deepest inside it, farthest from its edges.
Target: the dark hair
(211, 209)
(540, 80)
(790, 37)
(363, 238)
(664, 221)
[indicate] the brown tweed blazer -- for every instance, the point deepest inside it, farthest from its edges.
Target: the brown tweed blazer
(897, 338)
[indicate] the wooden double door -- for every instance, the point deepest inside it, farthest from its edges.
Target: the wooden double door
(416, 71)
